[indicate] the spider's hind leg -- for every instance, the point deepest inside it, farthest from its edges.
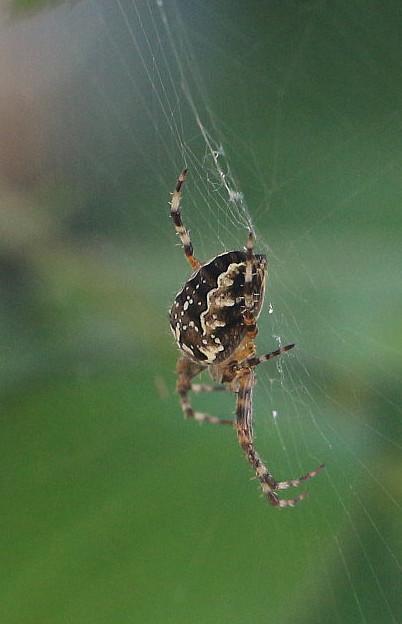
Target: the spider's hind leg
(181, 231)
(269, 485)
(285, 485)
(187, 370)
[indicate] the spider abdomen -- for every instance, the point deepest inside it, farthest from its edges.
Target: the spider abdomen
(206, 317)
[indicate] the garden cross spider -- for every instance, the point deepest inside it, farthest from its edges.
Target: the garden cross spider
(213, 319)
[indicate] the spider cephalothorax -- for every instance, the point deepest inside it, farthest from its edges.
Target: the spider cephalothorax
(213, 319)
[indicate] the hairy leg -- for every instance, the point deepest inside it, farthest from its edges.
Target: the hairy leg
(254, 361)
(181, 231)
(187, 370)
(269, 485)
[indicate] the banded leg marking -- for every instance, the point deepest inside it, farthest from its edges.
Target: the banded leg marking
(285, 485)
(181, 231)
(248, 315)
(189, 413)
(198, 388)
(269, 485)
(187, 370)
(255, 361)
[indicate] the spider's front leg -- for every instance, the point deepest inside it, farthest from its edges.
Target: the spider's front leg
(269, 485)
(186, 371)
(248, 314)
(181, 231)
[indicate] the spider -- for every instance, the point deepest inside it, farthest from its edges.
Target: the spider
(214, 320)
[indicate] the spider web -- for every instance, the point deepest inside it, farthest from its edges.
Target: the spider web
(235, 100)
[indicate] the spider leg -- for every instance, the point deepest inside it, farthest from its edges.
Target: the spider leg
(186, 370)
(269, 485)
(285, 485)
(181, 230)
(198, 388)
(248, 314)
(254, 361)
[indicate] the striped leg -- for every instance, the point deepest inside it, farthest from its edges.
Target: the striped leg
(248, 315)
(254, 361)
(181, 231)
(198, 388)
(245, 436)
(285, 485)
(186, 371)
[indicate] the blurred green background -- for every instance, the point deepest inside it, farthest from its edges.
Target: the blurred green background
(114, 508)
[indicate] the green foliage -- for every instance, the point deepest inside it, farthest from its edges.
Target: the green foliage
(29, 5)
